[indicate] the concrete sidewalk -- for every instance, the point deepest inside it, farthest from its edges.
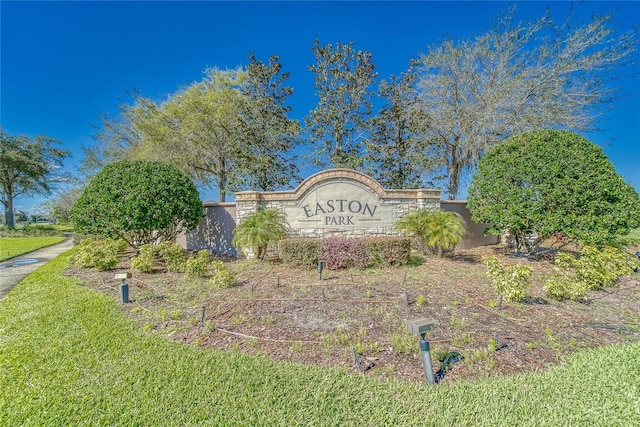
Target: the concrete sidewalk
(13, 270)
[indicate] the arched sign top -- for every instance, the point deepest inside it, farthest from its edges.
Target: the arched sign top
(334, 175)
(340, 174)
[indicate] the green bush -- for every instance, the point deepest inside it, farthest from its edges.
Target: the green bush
(595, 269)
(100, 254)
(300, 252)
(221, 277)
(171, 253)
(511, 282)
(601, 268)
(198, 266)
(138, 201)
(173, 256)
(145, 261)
(562, 287)
(542, 181)
(31, 231)
(388, 251)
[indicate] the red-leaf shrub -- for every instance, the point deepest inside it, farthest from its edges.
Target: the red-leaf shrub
(340, 252)
(344, 252)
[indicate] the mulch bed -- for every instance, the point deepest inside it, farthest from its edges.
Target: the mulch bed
(288, 314)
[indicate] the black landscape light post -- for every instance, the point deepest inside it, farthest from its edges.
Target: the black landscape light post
(124, 288)
(320, 266)
(421, 327)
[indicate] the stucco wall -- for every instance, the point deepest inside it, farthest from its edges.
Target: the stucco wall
(475, 232)
(215, 231)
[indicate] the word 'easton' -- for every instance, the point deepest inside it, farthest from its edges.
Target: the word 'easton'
(340, 206)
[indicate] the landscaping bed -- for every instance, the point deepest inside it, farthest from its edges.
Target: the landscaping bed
(355, 319)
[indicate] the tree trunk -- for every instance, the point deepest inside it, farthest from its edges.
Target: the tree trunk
(8, 212)
(222, 180)
(454, 181)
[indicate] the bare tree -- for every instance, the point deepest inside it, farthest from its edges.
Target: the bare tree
(517, 77)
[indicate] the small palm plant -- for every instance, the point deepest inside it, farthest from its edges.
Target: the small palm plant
(259, 229)
(415, 224)
(440, 231)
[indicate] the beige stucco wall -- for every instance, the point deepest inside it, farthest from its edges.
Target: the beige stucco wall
(475, 232)
(215, 231)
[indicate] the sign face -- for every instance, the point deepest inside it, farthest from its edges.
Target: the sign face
(340, 204)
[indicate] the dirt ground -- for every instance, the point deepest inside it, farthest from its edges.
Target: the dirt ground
(355, 319)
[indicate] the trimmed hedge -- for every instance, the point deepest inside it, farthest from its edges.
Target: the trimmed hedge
(388, 251)
(346, 252)
(299, 252)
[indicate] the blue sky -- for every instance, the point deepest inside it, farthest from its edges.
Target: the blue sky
(65, 63)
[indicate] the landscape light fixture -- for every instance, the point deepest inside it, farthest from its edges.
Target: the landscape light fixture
(421, 327)
(124, 287)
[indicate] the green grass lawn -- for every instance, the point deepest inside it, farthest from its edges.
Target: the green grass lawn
(13, 246)
(68, 356)
(634, 234)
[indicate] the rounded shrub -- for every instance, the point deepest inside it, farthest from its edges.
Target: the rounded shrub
(139, 201)
(544, 182)
(511, 282)
(198, 266)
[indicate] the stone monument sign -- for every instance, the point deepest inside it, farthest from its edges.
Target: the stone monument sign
(339, 202)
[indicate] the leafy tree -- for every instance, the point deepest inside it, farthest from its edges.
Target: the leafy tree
(337, 126)
(439, 231)
(21, 216)
(28, 166)
(59, 207)
(398, 153)
(259, 229)
(551, 181)
(196, 129)
(519, 76)
(139, 201)
(229, 131)
(268, 137)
